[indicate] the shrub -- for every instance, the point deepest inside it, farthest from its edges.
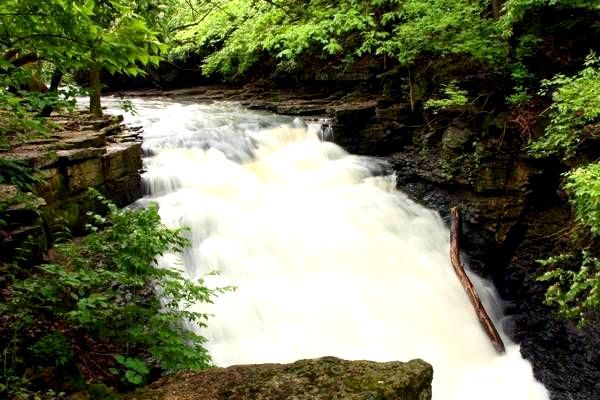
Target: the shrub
(105, 306)
(575, 111)
(576, 104)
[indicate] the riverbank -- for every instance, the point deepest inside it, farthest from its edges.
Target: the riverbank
(81, 152)
(514, 209)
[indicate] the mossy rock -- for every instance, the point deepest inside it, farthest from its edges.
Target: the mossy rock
(95, 391)
(324, 378)
(455, 139)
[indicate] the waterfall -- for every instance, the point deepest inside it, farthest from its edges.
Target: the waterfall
(327, 256)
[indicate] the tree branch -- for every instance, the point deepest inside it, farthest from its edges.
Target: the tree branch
(46, 35)
(23, 60)
(178, 28)
(482, 315)
(274, 4)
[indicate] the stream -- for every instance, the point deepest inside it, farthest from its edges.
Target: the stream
(328, 258)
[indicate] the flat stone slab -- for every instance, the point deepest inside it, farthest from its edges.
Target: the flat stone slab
(79, 154)
(324, 378)
(32, 157)
(83, 139)
(302, 109)
(111, 129)
(353, 111)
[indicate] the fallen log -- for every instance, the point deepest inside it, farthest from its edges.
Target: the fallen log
(484, 318)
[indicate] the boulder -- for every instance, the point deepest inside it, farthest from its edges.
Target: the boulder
(111, 129)
(78, 156)
(455, 138)
(17, 207)
(324, 378)
(490, 177)
(8, 193)
(521, 176)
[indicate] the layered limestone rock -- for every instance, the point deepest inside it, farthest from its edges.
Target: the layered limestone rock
(445, 162)
(325, 378)
(372, 127)
(84, 153)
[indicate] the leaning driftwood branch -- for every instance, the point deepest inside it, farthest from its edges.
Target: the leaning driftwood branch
(484, 318)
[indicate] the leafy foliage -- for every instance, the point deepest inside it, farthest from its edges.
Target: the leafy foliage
(16, 173)
(453, 96)
(438, 28)
(135, 369)
(574, 293)
(107, 296)
(583, 186)
(66, 36)
(20, 109)
(235, 34)
(576, 108)
(576, 105)
(515, 10)
(53, 348)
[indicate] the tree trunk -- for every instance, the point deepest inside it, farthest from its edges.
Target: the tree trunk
(411, 90)
(54, 84)
(496, 7)
(95, 102)
(36, 83)
(484, 319)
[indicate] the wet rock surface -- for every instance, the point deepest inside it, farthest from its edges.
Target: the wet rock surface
(325, 378)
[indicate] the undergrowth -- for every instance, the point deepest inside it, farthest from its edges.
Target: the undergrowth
(101, 311)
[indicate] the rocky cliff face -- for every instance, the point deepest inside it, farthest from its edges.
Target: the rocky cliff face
(325, 378)
(84, 152)
(515, 214)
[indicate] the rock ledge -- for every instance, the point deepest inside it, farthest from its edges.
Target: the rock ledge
(324, 378)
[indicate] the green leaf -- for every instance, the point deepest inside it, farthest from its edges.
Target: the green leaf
(133, 377)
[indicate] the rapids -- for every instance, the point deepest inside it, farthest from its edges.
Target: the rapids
(327, 256)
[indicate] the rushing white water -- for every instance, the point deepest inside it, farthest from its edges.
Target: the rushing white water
(328, 259)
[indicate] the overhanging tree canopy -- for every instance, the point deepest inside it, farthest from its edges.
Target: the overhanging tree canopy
(67, 34)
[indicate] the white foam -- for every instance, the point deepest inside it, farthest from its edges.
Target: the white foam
(328, 260)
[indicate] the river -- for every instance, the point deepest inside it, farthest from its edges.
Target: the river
(327, 256)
